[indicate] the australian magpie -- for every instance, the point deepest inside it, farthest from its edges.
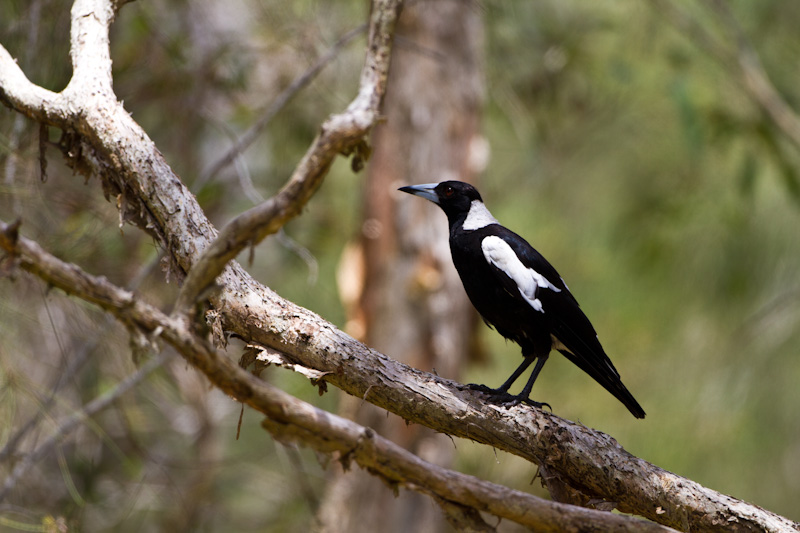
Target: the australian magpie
(519, 293)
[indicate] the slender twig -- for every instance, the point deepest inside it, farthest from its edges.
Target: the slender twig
(740, 59)
(14, 138)
(72, 366)
(756, 80)
(286, 96)
(302, 252)
(246, 183)
(71, 422)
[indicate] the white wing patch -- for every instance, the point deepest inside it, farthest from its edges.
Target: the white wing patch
(478, 217)
(499, 253)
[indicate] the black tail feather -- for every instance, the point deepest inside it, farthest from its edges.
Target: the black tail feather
(603, 372)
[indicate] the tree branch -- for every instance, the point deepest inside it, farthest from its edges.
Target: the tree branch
(290, 419)
(91, 78)
(329, 433)
(108, 143)
(18, 93)
(342, 133)
(247, 138)
(585, 459)
(71, 422)
(589, 459)
(90, 50)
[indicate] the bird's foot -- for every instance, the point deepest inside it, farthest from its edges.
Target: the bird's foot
(505, 399)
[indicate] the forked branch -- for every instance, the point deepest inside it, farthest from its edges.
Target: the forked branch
(131, 168)
(290, 419)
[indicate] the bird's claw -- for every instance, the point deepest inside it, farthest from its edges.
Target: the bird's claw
(484, 389)
(505, 399)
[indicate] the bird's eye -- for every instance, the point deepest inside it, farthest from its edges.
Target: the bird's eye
(448, 191)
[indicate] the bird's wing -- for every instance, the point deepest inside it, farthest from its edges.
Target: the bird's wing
(516, 276)
(527, 271)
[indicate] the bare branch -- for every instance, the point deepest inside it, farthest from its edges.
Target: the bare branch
(109, 143)
(101, 138)
(342, 133)
(291, 418)
(90, 49)
(71, 422)
(91, 61)
(586, 459)
(247, 138)
(17, 92)
(329, 433)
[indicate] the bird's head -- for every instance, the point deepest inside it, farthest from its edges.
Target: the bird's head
(454, 197)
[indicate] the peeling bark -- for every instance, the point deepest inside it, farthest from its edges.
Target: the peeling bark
(292, 420)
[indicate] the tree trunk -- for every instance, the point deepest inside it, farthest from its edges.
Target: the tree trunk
(403, 295)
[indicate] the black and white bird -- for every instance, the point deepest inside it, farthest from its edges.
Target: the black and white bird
(520, 294)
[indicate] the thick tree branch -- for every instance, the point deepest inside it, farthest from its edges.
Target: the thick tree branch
(589, 459)
(585, 459)
(108, 143)
(290, 418)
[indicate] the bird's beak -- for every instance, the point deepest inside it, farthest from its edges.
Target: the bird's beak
(426, 190)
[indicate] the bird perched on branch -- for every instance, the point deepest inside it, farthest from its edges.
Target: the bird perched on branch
(520, 294)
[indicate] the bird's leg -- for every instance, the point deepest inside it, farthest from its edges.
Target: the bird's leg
(503, 389)
(526, 362)
(501, 395)
(523, 396)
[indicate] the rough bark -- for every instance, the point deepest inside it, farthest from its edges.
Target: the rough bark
(292, 420)
(101, 139)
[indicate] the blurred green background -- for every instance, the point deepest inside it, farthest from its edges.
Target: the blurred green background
(627, 154)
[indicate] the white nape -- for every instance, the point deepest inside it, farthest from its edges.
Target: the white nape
(478, 217)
